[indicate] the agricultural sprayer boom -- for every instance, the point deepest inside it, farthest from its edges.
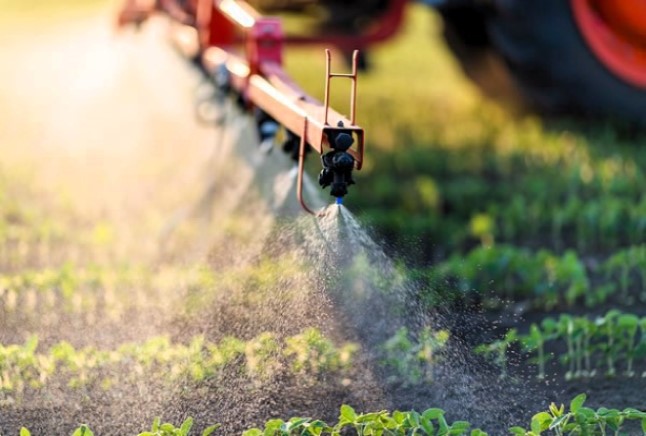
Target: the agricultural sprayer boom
(241, 52)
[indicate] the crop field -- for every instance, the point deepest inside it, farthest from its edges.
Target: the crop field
(486, 274)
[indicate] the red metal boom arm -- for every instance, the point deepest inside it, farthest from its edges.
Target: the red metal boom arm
(257, 73)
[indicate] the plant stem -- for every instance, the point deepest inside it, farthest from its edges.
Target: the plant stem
(579, 356)
(541, 361)
(630, 354)
(610, 357)
(625, 274)
(588, 354)
(570, 351)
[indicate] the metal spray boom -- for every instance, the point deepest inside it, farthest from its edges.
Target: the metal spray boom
(257, 77)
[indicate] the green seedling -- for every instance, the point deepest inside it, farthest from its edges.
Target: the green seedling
(82, 430)
(607, 326)
(22, 367)
(312, 353)
(583, 331)
(535, 341)
(497, 351)
(621, 263)
(294, 426)
(572, 277)
(641, 347)
(262, 355)
(545, 278)
(589, 329)
(430, 422)
(614, 337)
(580, 420)
(430, 346)
(410, 359)
(626, 330)
(168, 429)
(567, 330)
(640, 262)
(577, 421)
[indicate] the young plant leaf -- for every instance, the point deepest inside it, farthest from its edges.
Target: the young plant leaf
(427, 425)
(167, 427)
(348, 413)
(186, 427)
(83, 430)
(433, 413)
(560, 421)
(207, 431)
(577, 402)
(541, 422)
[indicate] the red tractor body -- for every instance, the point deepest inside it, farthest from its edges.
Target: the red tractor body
(581, 57)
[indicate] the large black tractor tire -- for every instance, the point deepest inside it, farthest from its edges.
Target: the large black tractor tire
(466, 35)
(550, 62)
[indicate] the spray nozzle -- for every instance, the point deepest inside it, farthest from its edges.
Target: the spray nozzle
(338, 163)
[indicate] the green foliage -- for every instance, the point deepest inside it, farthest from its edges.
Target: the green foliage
(580, 420)
(410, 359)
(628, 267)
(157, 429)
(73, 289)
(497, 350)
(430, 422)
(312, 353)
(22, 367)
(544, 278)
(513, 197)
(535, 341)
(610, 339)
(83, 430)
(493, 274)
(168, 429)
(262, 355)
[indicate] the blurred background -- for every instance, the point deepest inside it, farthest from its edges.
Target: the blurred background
(447, 165)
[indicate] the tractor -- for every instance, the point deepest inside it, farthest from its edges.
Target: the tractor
(580, 57)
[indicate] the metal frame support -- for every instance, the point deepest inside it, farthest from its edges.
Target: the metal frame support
(258, 76)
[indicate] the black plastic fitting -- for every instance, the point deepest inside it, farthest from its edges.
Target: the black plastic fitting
(338, 163)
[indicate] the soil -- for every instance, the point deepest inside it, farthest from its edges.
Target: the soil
(112, 126)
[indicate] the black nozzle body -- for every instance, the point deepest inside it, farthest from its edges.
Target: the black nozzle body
(338, 163)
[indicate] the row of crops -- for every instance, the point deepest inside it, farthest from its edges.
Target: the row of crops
(310, 354)
(543, 278)
(551, 189)
(576, 420)
(490, 275)
(609, 345)
(23, 367)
